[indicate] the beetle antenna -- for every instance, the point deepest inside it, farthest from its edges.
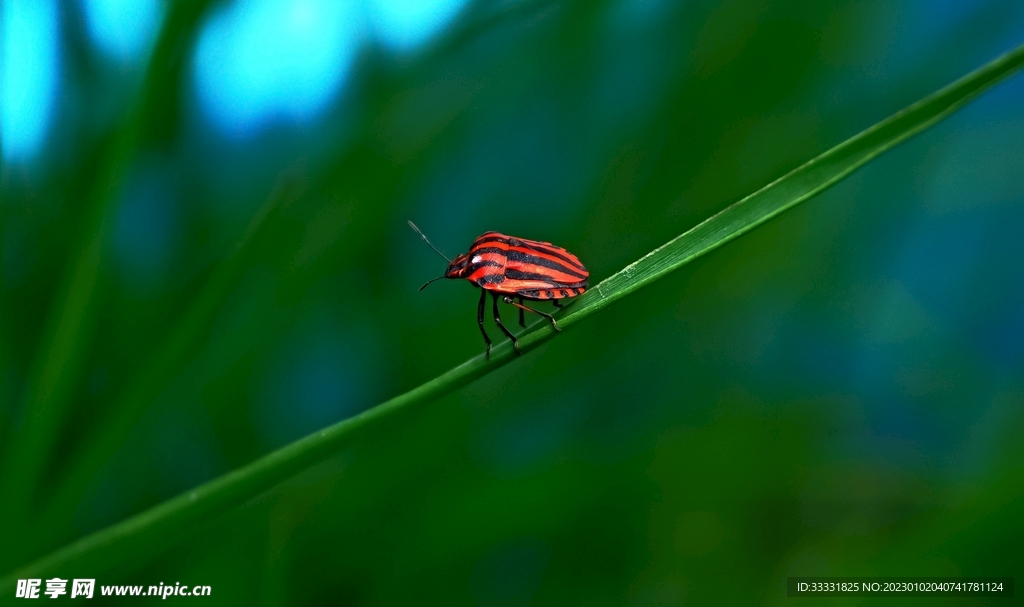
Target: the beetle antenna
(413, 226)
(430, 281)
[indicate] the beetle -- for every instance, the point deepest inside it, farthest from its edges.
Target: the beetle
(516, 269)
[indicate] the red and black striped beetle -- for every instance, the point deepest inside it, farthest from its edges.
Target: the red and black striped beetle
(516, 269)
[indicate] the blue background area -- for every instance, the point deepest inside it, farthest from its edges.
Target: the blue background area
(840, 392)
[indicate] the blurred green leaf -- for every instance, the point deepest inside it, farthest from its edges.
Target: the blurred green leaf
(168, 358)
(143, 535)
(61, 355)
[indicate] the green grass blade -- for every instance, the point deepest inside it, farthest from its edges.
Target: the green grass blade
(143, 535)
(64, 346)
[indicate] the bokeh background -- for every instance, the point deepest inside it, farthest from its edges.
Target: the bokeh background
(841, 392)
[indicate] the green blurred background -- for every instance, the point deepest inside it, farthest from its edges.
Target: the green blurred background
(841, 392)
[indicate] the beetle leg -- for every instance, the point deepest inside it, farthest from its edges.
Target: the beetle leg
(480, 320)
(497, 321)
(521, 307)
(522, 315)
(556, 304)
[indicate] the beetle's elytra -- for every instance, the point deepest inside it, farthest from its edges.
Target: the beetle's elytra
(517, 269)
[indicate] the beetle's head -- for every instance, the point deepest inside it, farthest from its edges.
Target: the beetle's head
(459, 267)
